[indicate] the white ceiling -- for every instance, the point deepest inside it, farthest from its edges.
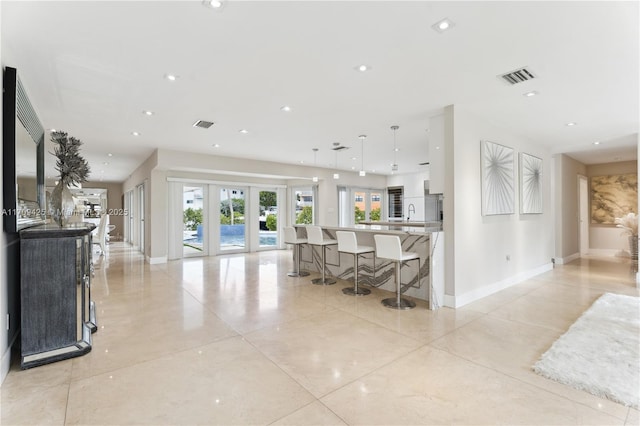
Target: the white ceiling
(92, 68)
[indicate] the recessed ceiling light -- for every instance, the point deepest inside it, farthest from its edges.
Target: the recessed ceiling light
(443, 25)
(571, 123)
(363, 68)
(353, 167)
(244, 131)
(110, 154)
(353, 158)
(101, 171)
(437, 147)
(213, 4)
(147, 112)
(396, 149)
(171, 77)
(135, 133)
(285, 108)
(530, 94)
(106, 163)
(216, 145)
(596, 143)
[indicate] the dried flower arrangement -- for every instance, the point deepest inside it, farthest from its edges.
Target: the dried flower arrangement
(73, 168)
(629, 223)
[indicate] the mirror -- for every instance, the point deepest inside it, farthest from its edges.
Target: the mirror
(23, 158)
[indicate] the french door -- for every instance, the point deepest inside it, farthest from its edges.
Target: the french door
(366, 205)
(214, 217)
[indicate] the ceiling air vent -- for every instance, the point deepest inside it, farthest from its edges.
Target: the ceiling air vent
(203, 124)
(518, 76)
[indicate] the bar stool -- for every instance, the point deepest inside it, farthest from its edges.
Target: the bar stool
(315, 238)
(389, 247)
(291, 237)
(348, 243)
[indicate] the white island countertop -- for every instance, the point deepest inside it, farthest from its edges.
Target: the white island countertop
(390, 227)
(401, 225)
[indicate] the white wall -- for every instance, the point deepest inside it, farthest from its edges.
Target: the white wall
(482, 243)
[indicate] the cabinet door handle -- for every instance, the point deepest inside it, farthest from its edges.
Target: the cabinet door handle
(85, 278)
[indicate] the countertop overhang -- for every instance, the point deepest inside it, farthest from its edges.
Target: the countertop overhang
(391, 227)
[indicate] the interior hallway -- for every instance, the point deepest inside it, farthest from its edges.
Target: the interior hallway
(233, 340)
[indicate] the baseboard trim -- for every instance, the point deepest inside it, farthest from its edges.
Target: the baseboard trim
(608, 253)
(563, 260)
(6, 364)
(156, 260)
(488, 290)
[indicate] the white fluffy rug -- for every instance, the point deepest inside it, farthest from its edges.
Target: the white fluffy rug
(600, 353)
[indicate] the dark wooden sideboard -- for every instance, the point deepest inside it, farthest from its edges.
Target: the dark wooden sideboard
(57, 313)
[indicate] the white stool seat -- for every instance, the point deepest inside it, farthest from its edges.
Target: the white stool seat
(291, 237)
(389, 247)
(348, 243)
(315, 237)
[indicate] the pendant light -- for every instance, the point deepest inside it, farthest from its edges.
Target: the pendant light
(362, 138)
(336, 175)
(315, 152)
(394, 166)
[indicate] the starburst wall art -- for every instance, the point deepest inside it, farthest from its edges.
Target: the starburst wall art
(498, 181)
(530, 184)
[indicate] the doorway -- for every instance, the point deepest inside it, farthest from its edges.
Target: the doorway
(583, 213)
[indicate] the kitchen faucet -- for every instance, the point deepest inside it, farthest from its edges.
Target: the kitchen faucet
(411, 208)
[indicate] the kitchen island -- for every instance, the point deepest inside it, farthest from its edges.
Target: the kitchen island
(425, 240)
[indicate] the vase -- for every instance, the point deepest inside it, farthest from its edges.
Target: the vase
(61, 204)
(633, 249)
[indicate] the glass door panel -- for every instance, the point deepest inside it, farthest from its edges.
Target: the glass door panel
(193, 234)
(232, 209)
(268, 230)
(359, 206)
(375, 205)
(304, 206)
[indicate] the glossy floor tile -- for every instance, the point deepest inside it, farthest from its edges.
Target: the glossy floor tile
(232, 340)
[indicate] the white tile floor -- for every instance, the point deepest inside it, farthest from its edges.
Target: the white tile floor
(233, 340)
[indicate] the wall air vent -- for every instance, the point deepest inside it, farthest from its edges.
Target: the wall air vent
(203, 124)
(340, 148)
(518, 76)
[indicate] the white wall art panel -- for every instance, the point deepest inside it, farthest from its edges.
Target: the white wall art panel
(498, 181)
(530, 184)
